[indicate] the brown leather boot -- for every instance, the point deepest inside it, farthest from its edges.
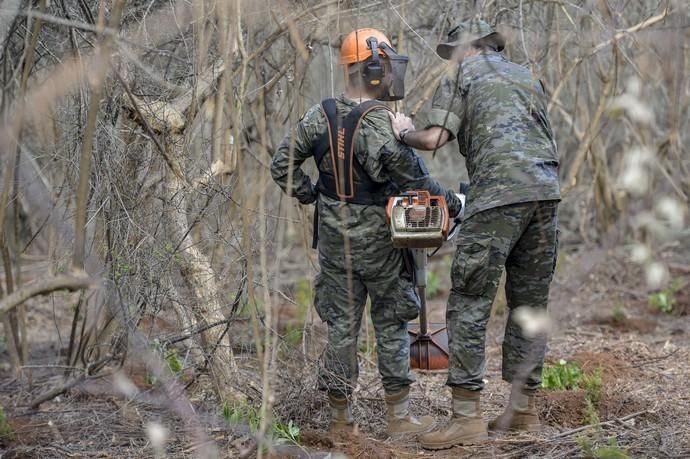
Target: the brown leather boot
(520, 414)
(466, 427)
(341, 415)
(400, 421)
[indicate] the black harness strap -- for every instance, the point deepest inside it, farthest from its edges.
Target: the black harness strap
(348, 181)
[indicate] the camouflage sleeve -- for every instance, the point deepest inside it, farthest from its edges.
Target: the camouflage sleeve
(291, 153)
(408, 172)
(446, 106)
(398, 162)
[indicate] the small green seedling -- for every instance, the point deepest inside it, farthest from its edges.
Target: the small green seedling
(591, 451)
(6, 432)
(286, 433)
(173, 362)
(242, 413)
(664, 300)
(592, 383)
(618, 314)
(561, 376)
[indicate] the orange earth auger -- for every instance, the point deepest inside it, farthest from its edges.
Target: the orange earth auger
(419, 222)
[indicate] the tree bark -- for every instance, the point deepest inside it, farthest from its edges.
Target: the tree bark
(195, 267)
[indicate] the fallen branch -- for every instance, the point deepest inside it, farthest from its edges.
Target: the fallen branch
(70, 283)
(589, 426)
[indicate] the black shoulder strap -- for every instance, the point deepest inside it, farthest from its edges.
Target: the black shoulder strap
(323, 142)
(342, 135)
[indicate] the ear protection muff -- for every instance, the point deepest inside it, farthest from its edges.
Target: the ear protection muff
(373, 71)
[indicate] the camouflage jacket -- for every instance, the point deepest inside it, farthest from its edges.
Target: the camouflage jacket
(497, 112)
(388, 162)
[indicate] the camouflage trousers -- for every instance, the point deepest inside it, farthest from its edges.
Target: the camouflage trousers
(523, 239)
(358, 261)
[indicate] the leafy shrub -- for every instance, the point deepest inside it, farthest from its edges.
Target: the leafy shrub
(561, 376)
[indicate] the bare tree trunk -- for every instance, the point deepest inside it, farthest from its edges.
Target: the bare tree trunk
(195, 267)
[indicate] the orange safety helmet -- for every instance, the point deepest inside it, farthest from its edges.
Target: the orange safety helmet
(355, 47)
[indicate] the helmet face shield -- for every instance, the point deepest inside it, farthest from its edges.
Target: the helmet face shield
(396, 79)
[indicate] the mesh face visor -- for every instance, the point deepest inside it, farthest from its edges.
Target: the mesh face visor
(398, 64)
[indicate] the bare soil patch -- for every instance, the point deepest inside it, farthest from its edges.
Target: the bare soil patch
(351, 445)
(627, 324)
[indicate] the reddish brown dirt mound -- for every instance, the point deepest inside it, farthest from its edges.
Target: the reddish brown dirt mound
(348, 444)
(627, 324)
(28, 432)
(612, 367)
(682, 305)
(567, 408)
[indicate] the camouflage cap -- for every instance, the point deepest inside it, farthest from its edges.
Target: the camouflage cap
(471, 31)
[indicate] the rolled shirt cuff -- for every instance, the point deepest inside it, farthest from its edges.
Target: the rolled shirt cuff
(445, 119)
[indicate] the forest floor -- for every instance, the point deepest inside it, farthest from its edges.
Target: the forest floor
(603, 320)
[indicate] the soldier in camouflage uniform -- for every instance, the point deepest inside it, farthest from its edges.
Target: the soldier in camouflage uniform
(356, 255)
(497, 112)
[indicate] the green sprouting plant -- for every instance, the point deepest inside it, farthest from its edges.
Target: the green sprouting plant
(433, 284)
(664, 300)
(618, 314)
(150, 379)
(591, 414)
(120, 268)
(173, 362)
(304, 296)
(242, 413)
(6, 431)
(592, 384)
(286, 433)
(561, 376)
(585, 444)
(592, 451)
(612, 451)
